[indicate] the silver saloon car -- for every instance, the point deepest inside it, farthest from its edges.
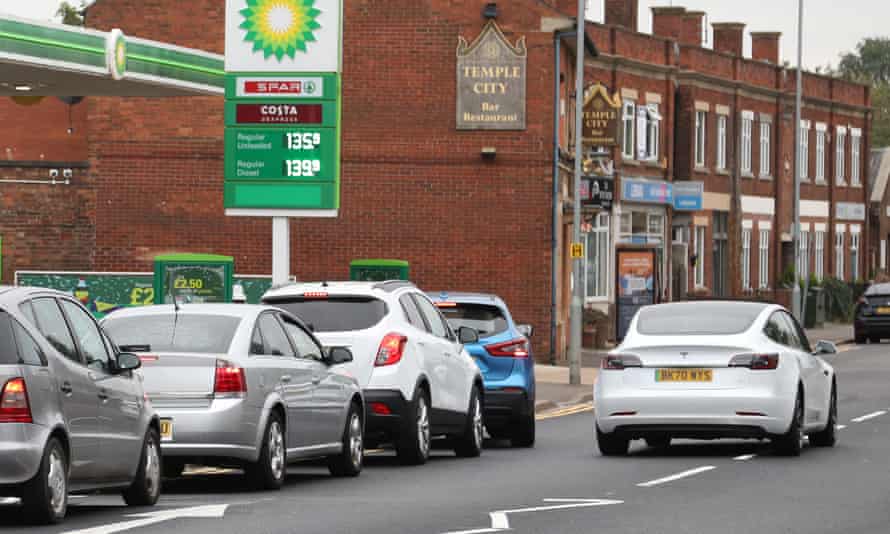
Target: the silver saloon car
(73, 416)
(244, 386)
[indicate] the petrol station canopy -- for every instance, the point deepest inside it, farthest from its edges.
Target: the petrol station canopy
(46, 59)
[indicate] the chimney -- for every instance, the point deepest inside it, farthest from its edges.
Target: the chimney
(668, 22)
(693, 28)
(623, 13)
(729, 37)
(765, 46)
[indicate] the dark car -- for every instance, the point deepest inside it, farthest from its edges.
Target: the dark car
(872, 320)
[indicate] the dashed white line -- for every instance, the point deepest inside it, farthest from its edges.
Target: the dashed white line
(868, 416)
(677, 476)
(744, 457)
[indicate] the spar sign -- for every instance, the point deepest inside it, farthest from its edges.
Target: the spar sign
(283, 62)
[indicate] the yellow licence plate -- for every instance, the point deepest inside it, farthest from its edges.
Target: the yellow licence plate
(166, 429)
(883, 310)
(684, 375)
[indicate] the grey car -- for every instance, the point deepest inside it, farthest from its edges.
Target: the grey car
(73, 416)
(245, 386)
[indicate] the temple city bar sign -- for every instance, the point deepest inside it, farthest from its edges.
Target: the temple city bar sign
(601, 118)
(491, 82)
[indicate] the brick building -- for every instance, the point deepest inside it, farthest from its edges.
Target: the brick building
(414, 187)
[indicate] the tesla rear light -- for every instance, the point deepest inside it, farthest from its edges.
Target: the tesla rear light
(515, 348)
(229, 380)
(14, 407)
(757, 362)
(379, 408)
(391, 349)
(617, 362)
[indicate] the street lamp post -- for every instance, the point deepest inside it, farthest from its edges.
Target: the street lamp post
(795, 291)
(576, 307)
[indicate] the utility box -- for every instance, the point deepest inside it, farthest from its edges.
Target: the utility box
(193, 278)
(378, 270)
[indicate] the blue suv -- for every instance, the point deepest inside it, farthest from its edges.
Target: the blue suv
(503, 353)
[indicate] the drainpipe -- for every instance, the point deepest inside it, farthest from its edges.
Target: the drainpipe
(554, 267)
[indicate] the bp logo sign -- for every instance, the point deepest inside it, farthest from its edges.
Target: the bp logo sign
(278, 36)
(280, 27)
(116, 54)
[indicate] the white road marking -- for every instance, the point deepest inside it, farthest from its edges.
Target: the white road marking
(150, 518)
(840, 427)
(678, 476)
(868, 416)
(744, 457)
(500, 522)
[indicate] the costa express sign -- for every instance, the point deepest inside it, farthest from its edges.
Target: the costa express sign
(601, 118)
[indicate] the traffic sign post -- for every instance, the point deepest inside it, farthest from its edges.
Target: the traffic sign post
(282, 114)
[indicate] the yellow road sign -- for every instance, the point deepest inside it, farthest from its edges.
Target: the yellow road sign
(577, 250)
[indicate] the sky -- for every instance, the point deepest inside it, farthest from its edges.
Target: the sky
(831, 27)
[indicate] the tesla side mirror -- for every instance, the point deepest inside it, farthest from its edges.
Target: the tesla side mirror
(339, 355)
(526, 330)
(825, 348)
(128, 362)
(467, 335)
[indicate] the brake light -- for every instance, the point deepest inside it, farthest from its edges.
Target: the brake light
(446, 304)
(14, 407)
(229, 380)
(617, 362)
(516, 348)
(757, 362)
(316, 295)
(391, 349)
(379, 408)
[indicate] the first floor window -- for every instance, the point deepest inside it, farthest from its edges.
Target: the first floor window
(701, 118)
(820, 153)
(819, 265)
(747, 133)
(653, 132)
(804, 150)
(765, 153)
(763, 271)
(839, 255)
(746, 258)
(628, 123)
(855, 157)
(721, 141)
(699, 256)
(841, 153)
(597, 259)
(854, 257)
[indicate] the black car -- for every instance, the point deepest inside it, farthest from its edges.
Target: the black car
(872, 320)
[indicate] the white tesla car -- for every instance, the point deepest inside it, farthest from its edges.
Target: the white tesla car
(710, 370)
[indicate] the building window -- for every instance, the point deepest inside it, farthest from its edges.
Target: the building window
(765, 153)
(628, 118)
(700, 256)
(804, 150)
(839, 255)
(841, 143)
(641, 228)
(803, 262)
(652, 133)
(819, 264)
(854, 257)
(597, 260)
(820, 154)
(701, 118)
(747, 133)
(746, 259)
(722, 121)
(763, 271)
(855, 163)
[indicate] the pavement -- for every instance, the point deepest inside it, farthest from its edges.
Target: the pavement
(561, 486)
(555, 393)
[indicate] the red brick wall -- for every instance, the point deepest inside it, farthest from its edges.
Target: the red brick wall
(40, 132)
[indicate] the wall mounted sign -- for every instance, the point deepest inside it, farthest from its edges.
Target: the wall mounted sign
(849, 211)
(597, 192)
(491, 82)
(646, 191)
(688, 196)
(601, 118)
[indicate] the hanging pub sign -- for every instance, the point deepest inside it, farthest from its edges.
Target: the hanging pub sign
(491, 82)
(600, 192)
(601, 118)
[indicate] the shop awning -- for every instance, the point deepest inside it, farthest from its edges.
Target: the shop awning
(45, 59)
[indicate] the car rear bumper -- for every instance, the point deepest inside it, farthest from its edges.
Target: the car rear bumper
(227, 429)
(21, 451)
(502, 407)
(377, 401)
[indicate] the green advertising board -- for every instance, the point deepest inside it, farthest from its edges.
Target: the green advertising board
(378, 270)
(282, 112)
(193, 278)
(102, 293)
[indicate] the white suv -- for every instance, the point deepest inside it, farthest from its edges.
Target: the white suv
(418, 380)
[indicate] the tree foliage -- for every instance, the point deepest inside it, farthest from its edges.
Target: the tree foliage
(70, 14)
(870, 63)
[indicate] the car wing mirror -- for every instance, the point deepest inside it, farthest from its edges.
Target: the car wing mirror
(339, 355)
(467, 335)
(128, 362)
(526, 330)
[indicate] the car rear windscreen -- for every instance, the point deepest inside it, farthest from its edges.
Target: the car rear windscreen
(336, 314)
(698, 318)
(9, 354)
(487, 320)
(193, 333)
